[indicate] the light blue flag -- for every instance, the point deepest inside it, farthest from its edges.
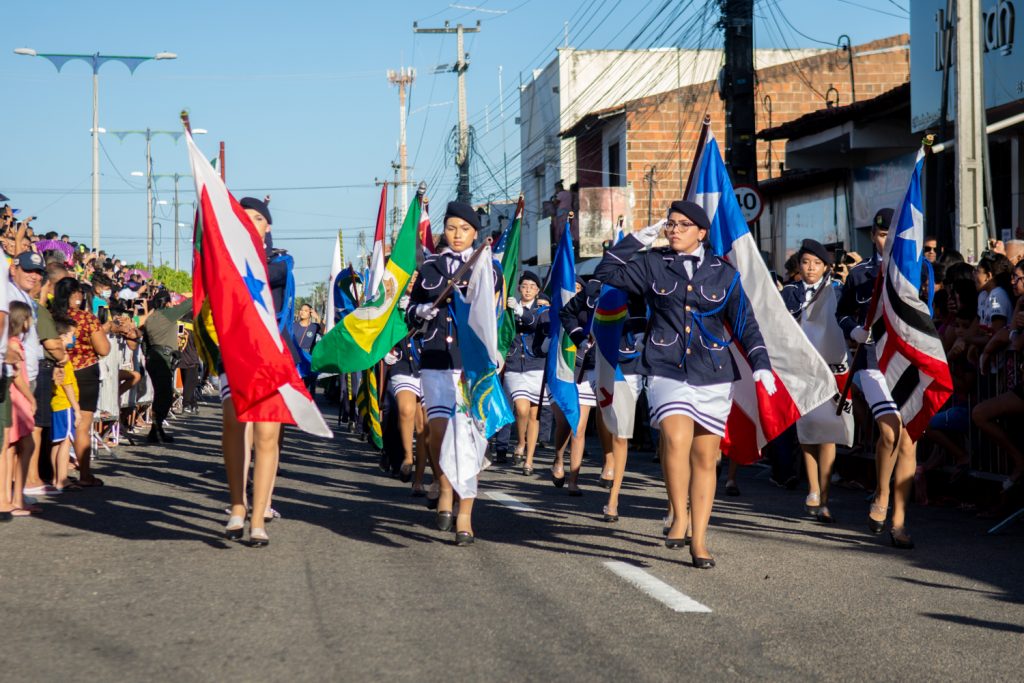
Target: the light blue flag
(561, 361)
(477, 320)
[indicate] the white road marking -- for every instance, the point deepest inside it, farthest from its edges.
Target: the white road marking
(656, 588)
(509, 501)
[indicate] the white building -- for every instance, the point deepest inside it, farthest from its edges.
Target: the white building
(578, 82)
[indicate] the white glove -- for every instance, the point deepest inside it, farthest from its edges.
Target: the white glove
(545, 345)
(514, 306)
(859, 335)
(425, 311)
(767, 380)
(403, 302)
(391, 358)
(650, 233)
(583, 348)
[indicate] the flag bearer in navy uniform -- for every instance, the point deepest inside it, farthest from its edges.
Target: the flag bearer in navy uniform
(816, 281)
(616, 445)
(266, 436)
(441, 362)
(576, 317)
(524, 366)
(694, 296)
(403, 363)
(894, 450)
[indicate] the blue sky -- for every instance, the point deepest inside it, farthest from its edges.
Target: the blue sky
(298, 93)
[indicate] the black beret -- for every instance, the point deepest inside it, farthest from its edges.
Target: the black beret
(693, 211)
(882, 220)
(465, 212)
(257, 205)
(815, 248)
(529, 275)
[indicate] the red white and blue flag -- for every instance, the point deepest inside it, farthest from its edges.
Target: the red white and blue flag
(229, 255)
(803, 378)
(908, 349)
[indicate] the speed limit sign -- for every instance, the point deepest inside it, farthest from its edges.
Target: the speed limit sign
(750, 202)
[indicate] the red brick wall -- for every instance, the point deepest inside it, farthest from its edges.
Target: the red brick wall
(662, 130)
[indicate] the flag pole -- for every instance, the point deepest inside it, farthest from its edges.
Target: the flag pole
(463, 269)
(872, 307)
(702, 138)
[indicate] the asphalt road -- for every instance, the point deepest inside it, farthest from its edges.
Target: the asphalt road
(134, 582)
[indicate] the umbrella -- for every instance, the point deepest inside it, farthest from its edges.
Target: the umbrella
(43, 246)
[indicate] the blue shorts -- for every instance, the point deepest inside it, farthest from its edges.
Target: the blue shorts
(63, 425)
(954, 419)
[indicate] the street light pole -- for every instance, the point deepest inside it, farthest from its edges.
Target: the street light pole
(96, 60)
(177, 203)
(148, 133)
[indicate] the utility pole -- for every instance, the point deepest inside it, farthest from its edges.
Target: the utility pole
(403, 78)
(971, 138)
(737, 89)
(176, 177)
(460, 66)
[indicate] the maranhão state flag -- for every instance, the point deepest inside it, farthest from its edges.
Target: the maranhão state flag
(908, 348)
(265, 385)
(803, 378)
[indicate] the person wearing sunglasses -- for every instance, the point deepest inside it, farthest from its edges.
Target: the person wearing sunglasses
(931, 248)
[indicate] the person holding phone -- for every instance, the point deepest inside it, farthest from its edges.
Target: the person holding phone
(160, 330)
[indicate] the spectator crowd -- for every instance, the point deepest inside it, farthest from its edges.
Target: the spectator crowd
(95, 351)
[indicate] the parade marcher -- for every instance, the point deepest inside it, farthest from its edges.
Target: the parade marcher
(160, 333)
(812, 301)
(524, 367)
(266, 435)
(616, 442)
(576, 316)
(693, 295)
(305, 333)
(894, 450)
(404, 382)
(441, 361)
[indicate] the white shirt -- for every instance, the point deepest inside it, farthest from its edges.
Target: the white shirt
(995, 303)
(33, 349)
(690, 265)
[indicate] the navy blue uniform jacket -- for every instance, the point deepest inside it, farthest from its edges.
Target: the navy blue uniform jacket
(440, 339)
(679, 345)
(852, 309)
(526, 352)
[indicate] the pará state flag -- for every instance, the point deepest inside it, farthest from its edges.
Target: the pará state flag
(364, 336)
(802, 377)
(908, 348)
(231, 274)
(561, 360)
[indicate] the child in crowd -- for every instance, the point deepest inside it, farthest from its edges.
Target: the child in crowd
(23, 408)
(65, 410)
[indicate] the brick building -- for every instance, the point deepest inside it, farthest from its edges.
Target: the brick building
(618, 146)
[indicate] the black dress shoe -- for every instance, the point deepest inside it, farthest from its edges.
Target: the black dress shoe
(732, 489)
(825, 517)
(6, 516)
(905, 543)
(609, 517)
(444, 521)
(673, 543)
(702, 562)
(606, 483)
(431, 503)
(463, 538)
(575, 493)
(501, 457)
(164, 436)
(153, 437)
(418, 493)
(559, 482)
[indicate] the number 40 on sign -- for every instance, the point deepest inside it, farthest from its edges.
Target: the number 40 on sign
(750, 202)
